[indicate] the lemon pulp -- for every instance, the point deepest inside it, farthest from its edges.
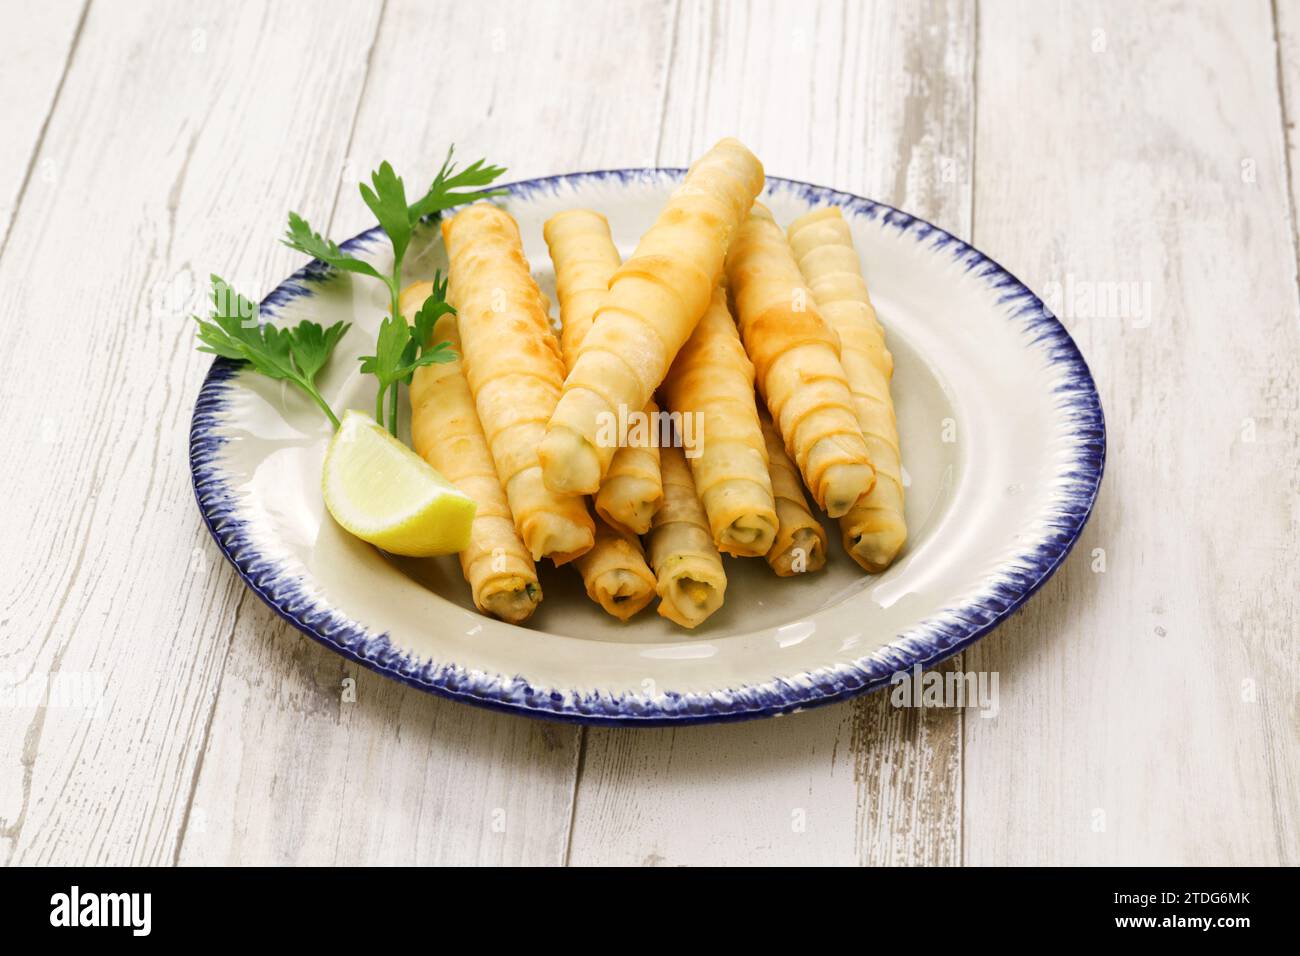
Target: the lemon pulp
(386, 494)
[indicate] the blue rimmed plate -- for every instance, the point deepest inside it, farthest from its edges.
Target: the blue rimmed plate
(1003, 447)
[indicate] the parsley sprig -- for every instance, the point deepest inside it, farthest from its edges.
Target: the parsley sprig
(297, 355)
(400, 348)
(294, 355)
(386, 197)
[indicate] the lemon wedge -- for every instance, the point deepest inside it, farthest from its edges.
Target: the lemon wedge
(384, 493)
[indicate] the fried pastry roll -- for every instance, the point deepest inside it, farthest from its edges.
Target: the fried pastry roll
(712, 380)
(654, 301)
(445, 432)
(615, 572)
(800, 543)
(585, 259)
(513, 366)
(688, 569)
(796, 357)
(633, 489)
(874, 529)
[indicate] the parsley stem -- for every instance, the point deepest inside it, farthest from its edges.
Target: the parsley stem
(324, 407)
(395, 388)
(395, 295)
(309, 387)
(379, 404)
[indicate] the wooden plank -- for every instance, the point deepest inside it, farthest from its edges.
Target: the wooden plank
(1286, 28)
(875, 99)
(293, 775)
(170, 144)
(1148, 703)
(34, 59)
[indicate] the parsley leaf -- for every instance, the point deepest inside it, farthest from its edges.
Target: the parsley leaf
(441, 193)
(300, 236)
(296, 355)
(388, 202)
(311, 345)
(400, 348)
(434, 308)
(390, 344)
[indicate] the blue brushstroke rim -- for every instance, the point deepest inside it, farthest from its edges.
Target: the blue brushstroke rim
(940, 636)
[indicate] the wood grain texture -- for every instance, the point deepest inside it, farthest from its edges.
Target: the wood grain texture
(1148, 704)
(35, 49)
(119, 588)
(292, 774)
(875, 99)
(1286, 31)
(1141, 158)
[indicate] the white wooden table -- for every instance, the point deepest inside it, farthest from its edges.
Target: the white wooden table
(1149, 707)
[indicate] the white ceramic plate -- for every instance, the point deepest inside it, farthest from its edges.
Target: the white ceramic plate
(1003, 446)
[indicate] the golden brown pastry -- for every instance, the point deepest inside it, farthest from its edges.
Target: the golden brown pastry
(796, 357)
(800, 544)
(445, 432)
(712, 379)
(655, 299)
(585, 259)
(875, 528)
(616, 574)
(688, 569)
(515, 372)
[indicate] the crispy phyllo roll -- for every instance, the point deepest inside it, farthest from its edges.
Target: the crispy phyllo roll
(515, 372)
(875, 528)
(585, 259)
(800, 543)
(712, 379)
(445, 432)
(655, 299)
(615, 572)
(633, 489)
(796, 357)
(688, 569)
